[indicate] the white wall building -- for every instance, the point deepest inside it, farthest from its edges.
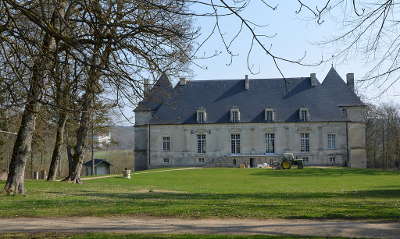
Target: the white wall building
(231, 122)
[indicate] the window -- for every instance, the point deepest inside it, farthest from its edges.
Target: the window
(166, 145)
(270, 142)
(305, 159)
(331, 141)
(201, 143)
(234, 162)
(166, 161)
(235, 115)
(235, 143)
(201, 116)
(269, 115)
(303, 114)
(305, 142)
(201, 160)
(332, 159)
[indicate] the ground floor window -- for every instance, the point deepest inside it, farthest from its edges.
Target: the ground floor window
(332, 159)
(270, 142)
(305, 142)
(235, 143)
(331, 141)
(201, 160)
(166, 160)
(305, 159)
(166, 145)
(201, 143)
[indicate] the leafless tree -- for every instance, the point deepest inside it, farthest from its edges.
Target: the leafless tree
(383, 136)
(370, 29)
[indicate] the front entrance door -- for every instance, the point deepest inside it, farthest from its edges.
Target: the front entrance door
(252, 163)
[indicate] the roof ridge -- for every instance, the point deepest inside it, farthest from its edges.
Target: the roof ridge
(213, 80)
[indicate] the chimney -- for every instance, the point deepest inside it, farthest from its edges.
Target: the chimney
(246, 82)
(146, 87)
(313, 79)
(350, 81)
(182, 81)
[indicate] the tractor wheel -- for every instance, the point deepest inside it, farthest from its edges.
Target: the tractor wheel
(300, 165)
(286, 164)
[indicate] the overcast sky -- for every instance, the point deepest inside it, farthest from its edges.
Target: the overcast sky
(294, 36)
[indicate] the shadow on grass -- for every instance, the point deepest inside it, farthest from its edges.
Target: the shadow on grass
(347, 205)
(382, 193)
(328, 172)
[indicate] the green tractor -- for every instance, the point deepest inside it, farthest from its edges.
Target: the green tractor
(287, 161)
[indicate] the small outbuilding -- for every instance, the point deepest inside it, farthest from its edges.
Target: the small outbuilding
(101, 167)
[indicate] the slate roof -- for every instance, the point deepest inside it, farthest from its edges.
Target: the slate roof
(96, 162)
(286, 97)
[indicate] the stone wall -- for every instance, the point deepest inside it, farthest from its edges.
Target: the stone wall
(218, 143)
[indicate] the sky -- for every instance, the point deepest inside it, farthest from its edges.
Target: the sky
(294, 36)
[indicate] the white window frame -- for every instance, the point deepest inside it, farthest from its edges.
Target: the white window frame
(201, 160)
(331, 141)
(201, 143)
(235, 143)
(270, 143)
(269, 112)
(332, 159)
(166, 144)
(166, 161)
(201, 116)
(304, 142)
(235, 115)
(304, 114)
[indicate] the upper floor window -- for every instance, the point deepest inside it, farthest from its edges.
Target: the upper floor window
(235, 143)
(201, 115)
(331, 141)
(269, 115)
(270, 142)
(304, 115)
(305, 142)
(201, 143)
(235, 115)
(166, 145)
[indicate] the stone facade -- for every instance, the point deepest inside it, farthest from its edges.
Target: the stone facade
(349, 144)
(159, 144)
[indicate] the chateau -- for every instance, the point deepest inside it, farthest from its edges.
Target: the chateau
(226, 123)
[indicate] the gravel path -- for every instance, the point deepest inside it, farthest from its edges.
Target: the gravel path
(353, 229)
(135, 173)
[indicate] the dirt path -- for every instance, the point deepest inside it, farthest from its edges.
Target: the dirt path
(204, 226)
(135, 173)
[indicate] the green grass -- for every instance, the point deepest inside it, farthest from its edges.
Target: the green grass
(142, 236)
(241, 193)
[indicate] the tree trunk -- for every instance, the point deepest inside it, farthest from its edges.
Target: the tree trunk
(22, 145)
(21, 151)
(86, 111)
(56, 156)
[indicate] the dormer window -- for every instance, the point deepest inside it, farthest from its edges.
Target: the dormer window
(269, 115)
(304, 115)
(201, 115)
(235, 115)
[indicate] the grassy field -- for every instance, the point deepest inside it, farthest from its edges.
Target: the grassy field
(143, 236)
(241, 193)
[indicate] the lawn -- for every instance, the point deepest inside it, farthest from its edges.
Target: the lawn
(143, 236)
(219, 192)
